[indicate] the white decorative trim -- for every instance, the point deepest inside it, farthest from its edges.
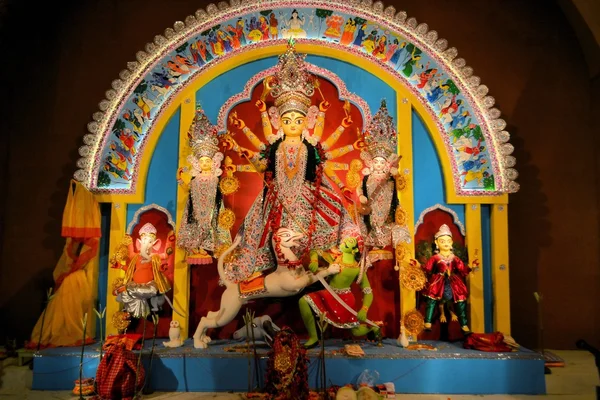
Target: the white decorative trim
(455, 218)
(136, 216)
(246, 95)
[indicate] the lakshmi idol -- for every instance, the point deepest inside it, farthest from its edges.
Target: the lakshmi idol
(294, 161)
(378, 193)
(199, 231)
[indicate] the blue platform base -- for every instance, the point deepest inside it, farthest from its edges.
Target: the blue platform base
(449, 369)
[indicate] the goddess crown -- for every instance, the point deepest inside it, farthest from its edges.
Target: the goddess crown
(292, 86)
(148, 229)
(381, 136)
(443, 231)
(203, 135)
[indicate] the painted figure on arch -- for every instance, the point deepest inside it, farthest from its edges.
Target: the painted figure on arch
(293, 27)
(446, 280)
(200, 231)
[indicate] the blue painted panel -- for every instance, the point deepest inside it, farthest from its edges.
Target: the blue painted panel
(215, 370)
(486, 243)
(360, 82)
(216, 92)
(103, 259)
(429, 185)
(161, 184)
(372, 89)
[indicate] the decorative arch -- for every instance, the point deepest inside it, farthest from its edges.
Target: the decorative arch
(191, 49)
(246, 94)
(450, 211)
(136, 217)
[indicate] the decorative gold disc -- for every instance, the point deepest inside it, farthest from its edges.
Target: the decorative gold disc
(400, 182)
(226, 219)
(229, 185)
(400, 253)
(401, 216)
(413, 322)
(352, 180)
(356, 165)
(413, 278)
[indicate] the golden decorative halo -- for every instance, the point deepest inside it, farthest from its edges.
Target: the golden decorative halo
(400, 182)
(413, 278)
(413, 322)
(229, 185)
(226, 219)
(401, 216)
(352, 180)
(356, 165)
(120, 320)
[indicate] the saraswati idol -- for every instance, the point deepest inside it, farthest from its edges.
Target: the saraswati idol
(295, 162)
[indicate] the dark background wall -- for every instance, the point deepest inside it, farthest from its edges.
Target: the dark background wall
(58, 58)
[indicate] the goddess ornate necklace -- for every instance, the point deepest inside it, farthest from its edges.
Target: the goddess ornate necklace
(291, 156)
(290, 170)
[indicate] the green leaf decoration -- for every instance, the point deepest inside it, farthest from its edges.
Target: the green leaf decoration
(182, 48)
(103, 179)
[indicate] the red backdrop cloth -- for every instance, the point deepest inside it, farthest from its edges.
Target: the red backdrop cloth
(491, 342)
(205, 294)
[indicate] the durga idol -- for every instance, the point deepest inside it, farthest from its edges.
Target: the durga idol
(294, 162)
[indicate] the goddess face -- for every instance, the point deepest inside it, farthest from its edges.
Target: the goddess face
(444, 243)
(293, 123)
(380, 165)
(205, 164)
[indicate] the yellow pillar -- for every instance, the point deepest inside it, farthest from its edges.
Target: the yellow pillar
(118, 227)
(181, 277)
(473, 242)
(408, 299)
(500, 278)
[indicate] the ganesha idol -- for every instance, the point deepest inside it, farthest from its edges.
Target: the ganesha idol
(143, 288)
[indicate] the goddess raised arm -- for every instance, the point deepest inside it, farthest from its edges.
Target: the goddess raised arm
(296, 196)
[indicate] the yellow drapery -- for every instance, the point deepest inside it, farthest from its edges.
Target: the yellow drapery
(75, 275)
